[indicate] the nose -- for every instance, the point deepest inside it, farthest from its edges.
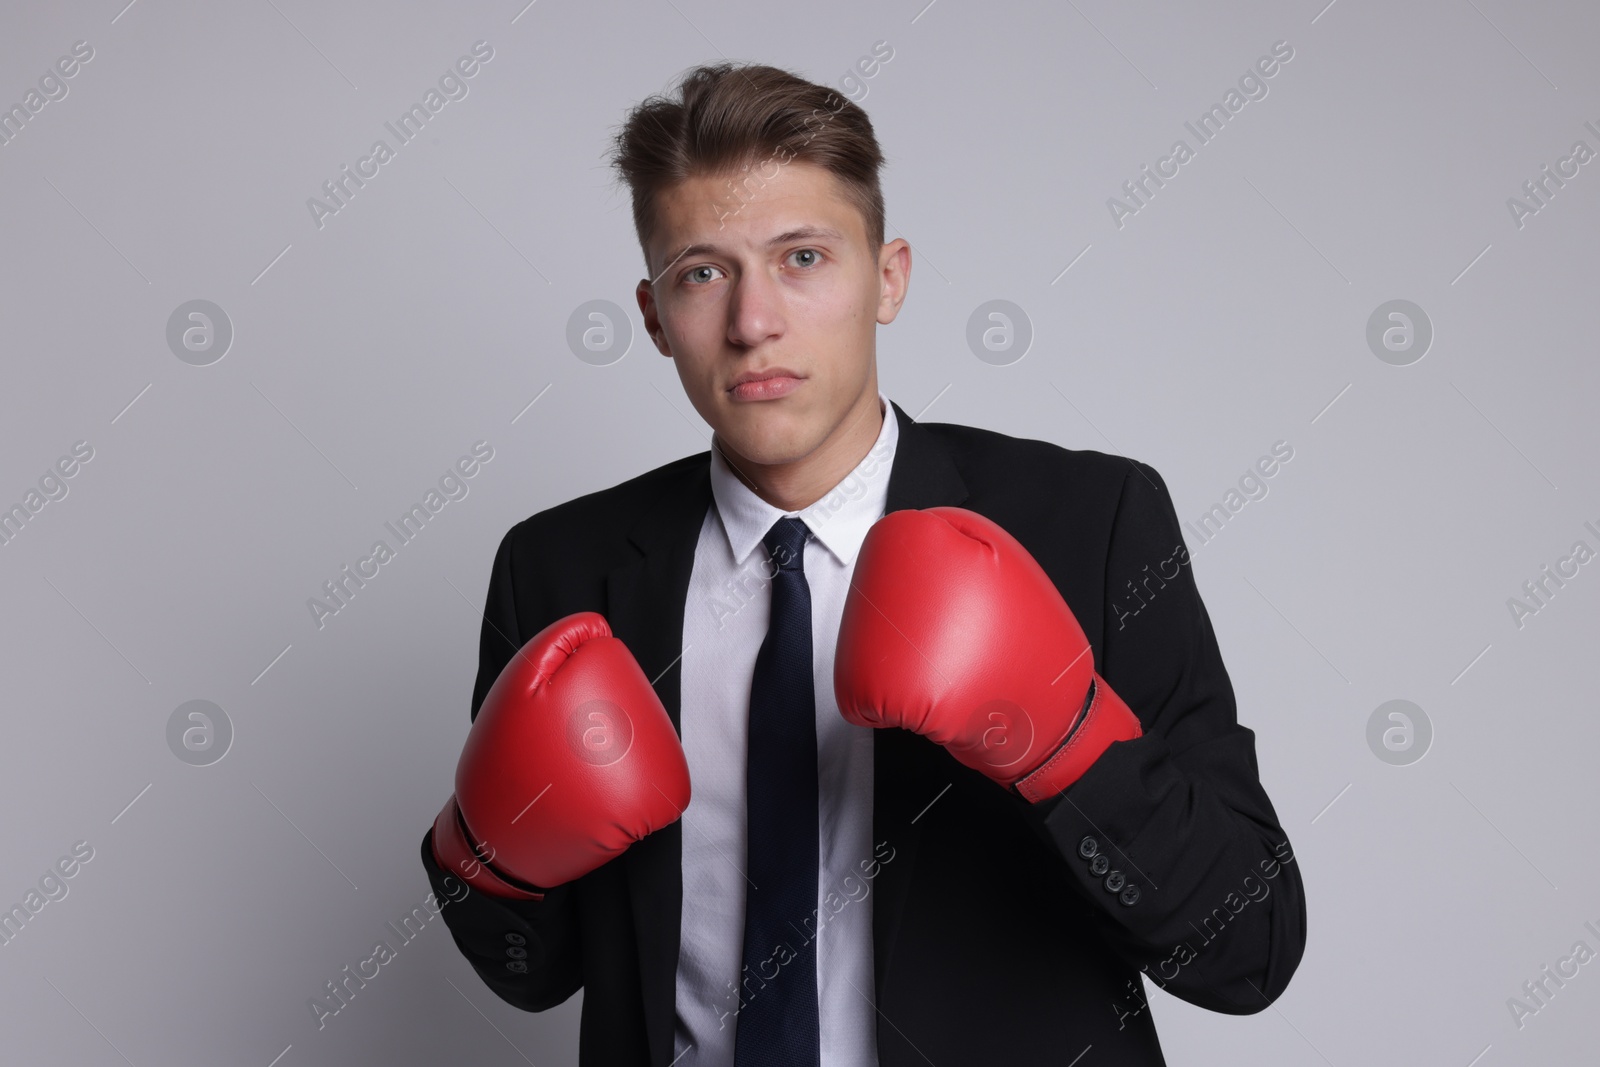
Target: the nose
(755, 309)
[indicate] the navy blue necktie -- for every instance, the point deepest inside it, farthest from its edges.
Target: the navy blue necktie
(778, 1024)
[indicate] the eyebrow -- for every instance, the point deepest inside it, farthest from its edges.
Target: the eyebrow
(803, 233)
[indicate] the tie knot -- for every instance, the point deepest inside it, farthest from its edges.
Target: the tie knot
(786, 543)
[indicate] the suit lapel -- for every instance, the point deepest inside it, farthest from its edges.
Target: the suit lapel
(923, 476)
(645, 599)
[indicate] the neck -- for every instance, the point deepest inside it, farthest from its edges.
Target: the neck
(797, 485)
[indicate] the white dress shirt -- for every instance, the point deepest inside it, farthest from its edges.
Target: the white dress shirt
(725, 620)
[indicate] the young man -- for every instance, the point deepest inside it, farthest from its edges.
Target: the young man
(965, 760)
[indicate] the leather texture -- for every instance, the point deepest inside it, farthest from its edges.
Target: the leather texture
(953, 631)
(570, 760)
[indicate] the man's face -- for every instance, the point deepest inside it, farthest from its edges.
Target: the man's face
(782, 281)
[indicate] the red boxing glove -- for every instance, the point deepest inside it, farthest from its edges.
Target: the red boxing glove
(953, 631)
(570, 760)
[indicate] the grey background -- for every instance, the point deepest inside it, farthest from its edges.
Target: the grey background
(368, 355)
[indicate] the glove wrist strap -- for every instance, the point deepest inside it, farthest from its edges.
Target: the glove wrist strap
(453, 848)
(1106, 720)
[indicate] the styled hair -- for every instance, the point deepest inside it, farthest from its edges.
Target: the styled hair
(746, 121)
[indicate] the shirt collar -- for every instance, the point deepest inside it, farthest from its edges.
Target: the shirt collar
(839, 519)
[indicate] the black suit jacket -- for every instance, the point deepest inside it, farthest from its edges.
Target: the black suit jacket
(994, 939)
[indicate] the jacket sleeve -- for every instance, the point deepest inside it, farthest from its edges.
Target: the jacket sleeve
(1197, 885)
(525, 951)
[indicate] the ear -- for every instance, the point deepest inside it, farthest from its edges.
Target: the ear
(894, 278)
(652, 319)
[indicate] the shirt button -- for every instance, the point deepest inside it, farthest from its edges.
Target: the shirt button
(1130, 894)
(1099, 865)
(1088, 847)
(1114, 881)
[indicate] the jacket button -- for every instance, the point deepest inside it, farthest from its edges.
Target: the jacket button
(515, 939)
(1114, 881)
(1088, 847)
(1130, 894)
(517, 953)
(517, 966)
(1099, 865)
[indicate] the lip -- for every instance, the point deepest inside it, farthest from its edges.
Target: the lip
(766, 384)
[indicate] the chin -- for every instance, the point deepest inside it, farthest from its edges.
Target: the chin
(769, 452)
(761, 438)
